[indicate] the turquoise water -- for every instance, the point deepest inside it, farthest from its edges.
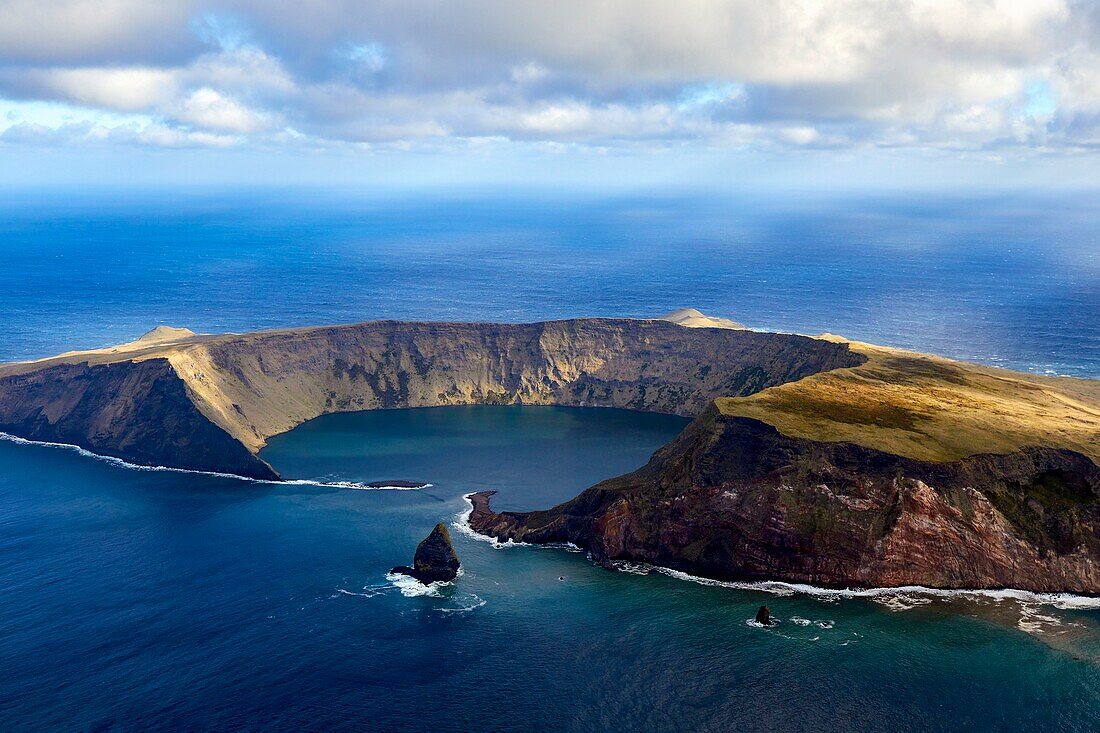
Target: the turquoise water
(143, 600)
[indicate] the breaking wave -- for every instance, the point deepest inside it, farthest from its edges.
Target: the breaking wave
(410, 587)
(902, 597)
(120, 463)
(462, 524)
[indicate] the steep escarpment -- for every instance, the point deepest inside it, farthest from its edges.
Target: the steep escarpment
(733, 498)
(810, 459)
(139, 412)
(263, 384)
(253, 386)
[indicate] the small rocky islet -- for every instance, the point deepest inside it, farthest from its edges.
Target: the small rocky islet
(435, 560)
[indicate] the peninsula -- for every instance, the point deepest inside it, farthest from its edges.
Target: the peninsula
(818, 460)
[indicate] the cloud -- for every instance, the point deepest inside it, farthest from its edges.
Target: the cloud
(96, 32)
(209, 109)
(965, 74)
(116, 89)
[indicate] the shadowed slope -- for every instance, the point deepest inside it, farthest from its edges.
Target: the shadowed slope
(906, 469)
(253, 386)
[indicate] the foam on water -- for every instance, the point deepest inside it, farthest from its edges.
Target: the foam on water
(367, 592)
(901, 601)
(462, 524)
(410, 587)
(1033, 622)
(120, 463)
(910, 595)
(899, 598)
(634, 568)
(475, 602)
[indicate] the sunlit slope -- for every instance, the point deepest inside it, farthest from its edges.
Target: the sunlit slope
(930, 408)
(166, 398)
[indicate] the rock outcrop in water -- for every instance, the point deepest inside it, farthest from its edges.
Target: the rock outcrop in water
(764, 616)
(435, 560)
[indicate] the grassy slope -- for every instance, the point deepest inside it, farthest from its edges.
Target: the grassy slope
(910, 404)
(930, 408)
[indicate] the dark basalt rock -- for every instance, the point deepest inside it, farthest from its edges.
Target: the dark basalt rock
(435, 559)
(397, 484)
(733, 499)
(764, 616)
(140, 412)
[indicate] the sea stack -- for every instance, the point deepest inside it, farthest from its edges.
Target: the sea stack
(435, 559)
(764, 616)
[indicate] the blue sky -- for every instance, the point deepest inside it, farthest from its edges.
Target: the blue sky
(714, 93)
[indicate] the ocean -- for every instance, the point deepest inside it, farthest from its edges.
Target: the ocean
(140, 600)
(1010, 280)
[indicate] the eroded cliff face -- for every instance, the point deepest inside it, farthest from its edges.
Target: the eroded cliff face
(140, 412)
(263, 384)
(733, 499)
(810, 460)
(158, 396)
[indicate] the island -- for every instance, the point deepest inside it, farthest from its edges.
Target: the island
(816, 460)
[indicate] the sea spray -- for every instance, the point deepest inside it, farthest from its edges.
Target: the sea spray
(462, 524)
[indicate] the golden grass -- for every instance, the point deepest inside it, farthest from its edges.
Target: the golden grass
(916, 405)
(930, 408)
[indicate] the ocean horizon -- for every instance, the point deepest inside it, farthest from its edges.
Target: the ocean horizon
(1003, 278)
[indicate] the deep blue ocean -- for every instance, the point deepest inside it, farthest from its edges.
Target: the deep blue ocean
(150, 600)
(1006, 279)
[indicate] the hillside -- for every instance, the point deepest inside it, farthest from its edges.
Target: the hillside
(249, 387)
(906, 469)
(930, 408)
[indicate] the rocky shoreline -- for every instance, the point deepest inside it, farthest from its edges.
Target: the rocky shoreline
(733, 500)
(809, 460)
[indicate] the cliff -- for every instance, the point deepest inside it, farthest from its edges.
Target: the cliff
(815, 460)
(906, 469)
(734, 499)
(178, 399)
(141, 412)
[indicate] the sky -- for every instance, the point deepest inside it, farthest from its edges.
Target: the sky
(600, 93)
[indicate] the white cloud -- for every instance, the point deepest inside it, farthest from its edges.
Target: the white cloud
(208, 109)
(800, 135)
(909, 73)
(118, 89)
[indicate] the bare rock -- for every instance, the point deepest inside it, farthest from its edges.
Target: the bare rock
(435, 559)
